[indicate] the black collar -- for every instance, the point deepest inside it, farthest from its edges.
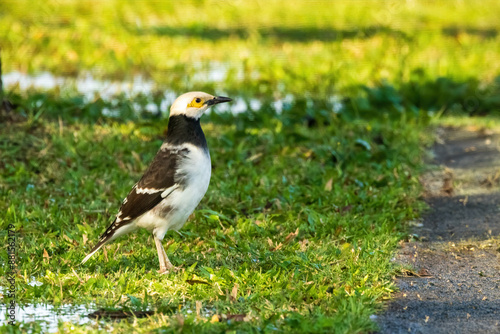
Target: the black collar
(183, 129)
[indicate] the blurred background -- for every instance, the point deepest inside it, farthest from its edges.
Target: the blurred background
(392, 55)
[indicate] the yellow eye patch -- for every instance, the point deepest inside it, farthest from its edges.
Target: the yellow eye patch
(196, 103)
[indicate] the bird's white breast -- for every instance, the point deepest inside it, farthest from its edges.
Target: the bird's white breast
(193, 177)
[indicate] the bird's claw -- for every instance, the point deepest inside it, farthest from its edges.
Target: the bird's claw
(168, 270)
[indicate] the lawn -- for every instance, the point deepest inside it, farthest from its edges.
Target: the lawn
(306, 206)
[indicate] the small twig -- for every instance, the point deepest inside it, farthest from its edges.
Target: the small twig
(117, 248)
(74, 272)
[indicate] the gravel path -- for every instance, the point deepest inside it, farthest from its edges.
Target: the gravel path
(452, 284)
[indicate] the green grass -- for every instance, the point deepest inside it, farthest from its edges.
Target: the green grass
(268, 47)
(345, 188)
(305, 208)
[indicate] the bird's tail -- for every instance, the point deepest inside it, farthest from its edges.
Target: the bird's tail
(95, 249)
(106, 237)
(115, 230)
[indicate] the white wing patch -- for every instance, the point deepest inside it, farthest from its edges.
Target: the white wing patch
(177, 148)
(119, 218)
(148, 191)
(169, 190)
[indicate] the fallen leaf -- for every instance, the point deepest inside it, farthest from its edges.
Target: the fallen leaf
(180, 319)
(415, 223)
(85, 239)
(254, 157)
(303, 244)
(136, 157)
(121, 164)
(328, 185)
(448, 187)
(195, 281)
(215, 318)
(308, 154)
(470, 149)
(291, 236)
(235, 317)
(46, 255)
(198, 307)
(424, 273)
(71, 241)
(234, 292)
(105, 253)
(74, 272)
(277, 247)
(218, 288)
(270, 242)
(117, 248)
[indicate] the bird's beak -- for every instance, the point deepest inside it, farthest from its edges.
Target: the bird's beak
(218, 99)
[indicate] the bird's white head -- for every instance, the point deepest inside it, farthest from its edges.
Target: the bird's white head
(194, 104)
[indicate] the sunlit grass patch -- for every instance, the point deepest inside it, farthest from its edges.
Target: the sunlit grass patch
(261, 48)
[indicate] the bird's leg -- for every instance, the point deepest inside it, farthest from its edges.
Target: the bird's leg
(165, 264)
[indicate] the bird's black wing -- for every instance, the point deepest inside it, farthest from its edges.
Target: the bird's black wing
(157, 183)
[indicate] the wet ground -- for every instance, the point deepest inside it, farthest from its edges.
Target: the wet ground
(91, 88)
(452, 284)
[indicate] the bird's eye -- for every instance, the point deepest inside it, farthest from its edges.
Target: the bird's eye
(196, 103)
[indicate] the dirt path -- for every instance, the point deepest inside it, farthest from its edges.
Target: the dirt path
(454, 286)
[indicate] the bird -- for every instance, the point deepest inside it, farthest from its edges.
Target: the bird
(175, 181)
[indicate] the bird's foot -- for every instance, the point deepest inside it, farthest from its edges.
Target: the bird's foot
(166, 270)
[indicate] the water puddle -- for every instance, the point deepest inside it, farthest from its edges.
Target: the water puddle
(91, 89)
(217, 72)
(109, 91)
(33, 281)
(86, 85)
(48, 317)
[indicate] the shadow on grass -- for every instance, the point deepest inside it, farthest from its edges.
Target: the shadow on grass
(288, 34)
(420, 94)
(455, 31)
(299, 34)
